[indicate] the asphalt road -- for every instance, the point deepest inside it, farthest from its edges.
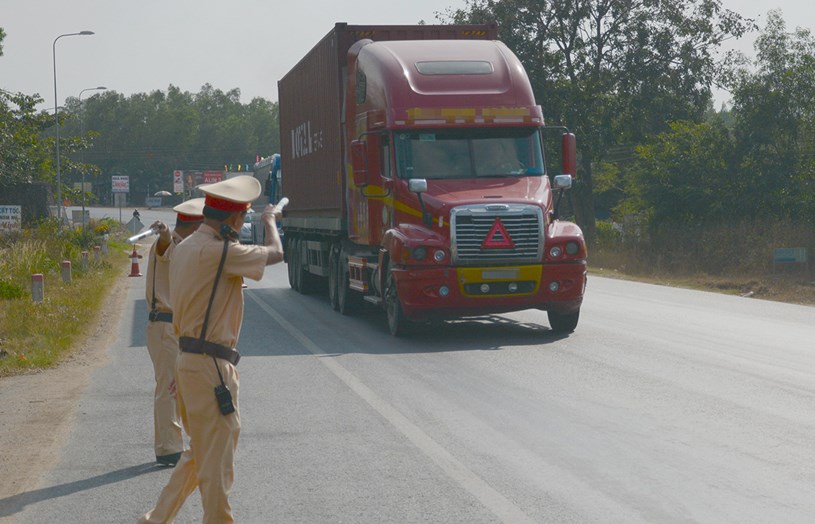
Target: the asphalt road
(666, 405)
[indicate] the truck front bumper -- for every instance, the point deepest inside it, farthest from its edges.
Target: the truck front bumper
(452, 292)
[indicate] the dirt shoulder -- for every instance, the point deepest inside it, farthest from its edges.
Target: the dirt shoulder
(37, 409)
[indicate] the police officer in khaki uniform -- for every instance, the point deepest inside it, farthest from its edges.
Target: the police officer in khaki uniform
(162, 343)
(203, 262)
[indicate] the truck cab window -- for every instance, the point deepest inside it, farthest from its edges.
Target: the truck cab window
(469, 153)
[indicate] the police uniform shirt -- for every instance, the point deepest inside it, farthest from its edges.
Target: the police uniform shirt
(192, 272)
(160, 265)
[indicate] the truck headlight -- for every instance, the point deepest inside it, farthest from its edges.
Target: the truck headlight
(555, 252)
(572, 248)
(438, 255)
(419, 253)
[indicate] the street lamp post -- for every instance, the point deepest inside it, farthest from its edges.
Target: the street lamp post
(81, 134)
(56, 117)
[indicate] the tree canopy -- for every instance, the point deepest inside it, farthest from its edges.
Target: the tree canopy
(614, 71)
(147, 136)
(764, 167)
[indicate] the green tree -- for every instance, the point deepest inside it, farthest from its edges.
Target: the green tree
(774, 108)
(148, 136)
(614, 71)
(686, 175)
(25, 156)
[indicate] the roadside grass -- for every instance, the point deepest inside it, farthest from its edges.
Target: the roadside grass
(731, 259)
(36, 335)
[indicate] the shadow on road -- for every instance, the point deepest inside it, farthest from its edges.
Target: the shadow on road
(138, 333)
(367, 331)
(16, 503)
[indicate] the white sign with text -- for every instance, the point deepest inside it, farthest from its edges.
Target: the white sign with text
(11, 218)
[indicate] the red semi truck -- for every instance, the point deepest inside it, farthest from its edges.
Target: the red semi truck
(413, 160)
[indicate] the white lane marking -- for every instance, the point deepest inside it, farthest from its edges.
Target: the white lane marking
(502, 507)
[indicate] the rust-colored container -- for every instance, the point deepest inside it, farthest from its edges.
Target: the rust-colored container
(311, 96)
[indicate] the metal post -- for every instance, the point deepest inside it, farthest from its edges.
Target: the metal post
(56, 118)
(81, 134)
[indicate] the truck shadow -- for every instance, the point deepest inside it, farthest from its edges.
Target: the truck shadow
(367, 332)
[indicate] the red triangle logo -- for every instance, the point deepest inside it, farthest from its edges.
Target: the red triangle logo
(498, 237)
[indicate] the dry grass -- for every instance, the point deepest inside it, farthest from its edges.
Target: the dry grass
(728, 258)
(793, 286)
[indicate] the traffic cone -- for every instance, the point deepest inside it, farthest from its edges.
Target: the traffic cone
(134, 263)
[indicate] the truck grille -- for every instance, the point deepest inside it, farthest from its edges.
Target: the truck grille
(496, 233)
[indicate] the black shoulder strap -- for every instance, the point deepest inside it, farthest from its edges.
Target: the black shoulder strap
(211, 300)
(214, 287)
(155, 268)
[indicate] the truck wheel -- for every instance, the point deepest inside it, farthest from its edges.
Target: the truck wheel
(398, 324)
(333, 277)
(292, 251)
(306, 282)
(563, 322)
(348, 300)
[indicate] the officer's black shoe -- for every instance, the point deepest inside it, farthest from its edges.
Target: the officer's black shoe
(169, 460)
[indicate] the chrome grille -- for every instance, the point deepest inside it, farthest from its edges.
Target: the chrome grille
(470, 226)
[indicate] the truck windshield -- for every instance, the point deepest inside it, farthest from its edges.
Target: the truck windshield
(469, 153)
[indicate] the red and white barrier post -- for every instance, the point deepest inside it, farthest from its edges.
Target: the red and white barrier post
(37, 287)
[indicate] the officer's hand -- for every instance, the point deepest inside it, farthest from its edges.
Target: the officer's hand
(163, 230)
(271, 212)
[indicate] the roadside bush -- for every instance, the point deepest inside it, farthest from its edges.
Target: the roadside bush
(10, 291)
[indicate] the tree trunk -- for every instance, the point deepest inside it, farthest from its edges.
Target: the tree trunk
(584, 203)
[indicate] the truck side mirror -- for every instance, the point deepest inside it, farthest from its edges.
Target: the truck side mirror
(563, 181)
(417, 185)
(359, 162)
(569, 150)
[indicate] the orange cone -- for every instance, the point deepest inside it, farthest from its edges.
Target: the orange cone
(134, 263)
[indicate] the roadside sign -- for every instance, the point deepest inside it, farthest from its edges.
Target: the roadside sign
(120, 184)
(211, 177)
(11, 218)
(178, 181)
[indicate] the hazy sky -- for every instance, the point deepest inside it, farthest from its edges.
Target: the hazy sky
(146, 45)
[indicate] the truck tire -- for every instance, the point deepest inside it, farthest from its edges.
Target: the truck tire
(398, 324)
(348, 300)
(292, 251)
(306, 282)
(563, 322)
(334, 277)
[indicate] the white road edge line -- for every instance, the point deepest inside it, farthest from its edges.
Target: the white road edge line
(502, 507)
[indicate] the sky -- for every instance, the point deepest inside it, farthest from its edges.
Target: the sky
(147, 45)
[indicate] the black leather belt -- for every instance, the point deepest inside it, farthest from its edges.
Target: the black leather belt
(160, 316)
(205, 347)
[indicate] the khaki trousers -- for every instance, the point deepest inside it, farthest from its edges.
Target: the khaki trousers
(163, 348)
(208, 464)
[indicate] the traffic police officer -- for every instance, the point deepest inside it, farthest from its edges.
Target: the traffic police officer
(205, 290)
(162, 343)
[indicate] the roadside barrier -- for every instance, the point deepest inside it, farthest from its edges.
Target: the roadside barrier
(66, 271)
(37, 284)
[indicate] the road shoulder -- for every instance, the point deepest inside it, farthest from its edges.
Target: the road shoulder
(38, 409)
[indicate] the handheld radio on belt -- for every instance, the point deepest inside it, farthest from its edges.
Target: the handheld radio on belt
(222, 394)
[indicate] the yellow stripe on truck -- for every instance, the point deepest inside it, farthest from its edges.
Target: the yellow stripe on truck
(488, 275)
